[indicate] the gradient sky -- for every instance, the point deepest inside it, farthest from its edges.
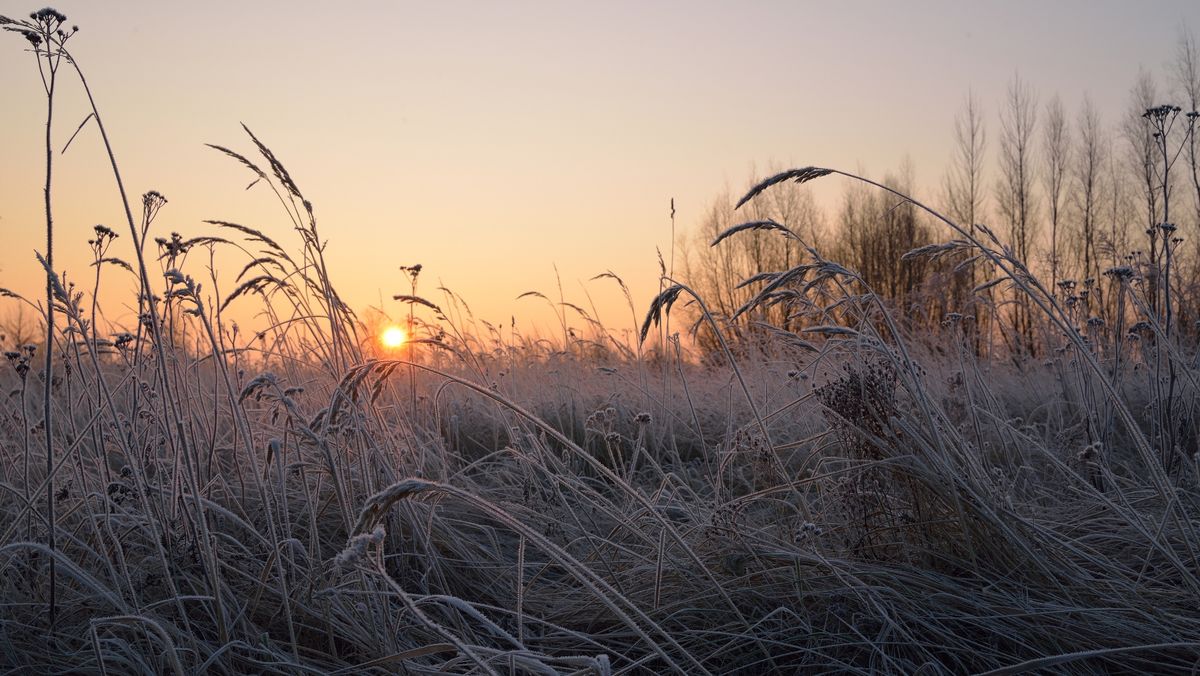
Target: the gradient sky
(492, 141)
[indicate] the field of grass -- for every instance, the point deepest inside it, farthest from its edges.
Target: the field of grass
(854, 496)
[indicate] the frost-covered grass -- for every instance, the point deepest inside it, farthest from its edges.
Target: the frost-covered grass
(851, 497)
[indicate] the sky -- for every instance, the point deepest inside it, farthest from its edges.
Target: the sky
(496, 143)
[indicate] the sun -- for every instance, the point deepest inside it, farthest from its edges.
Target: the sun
(392, 337)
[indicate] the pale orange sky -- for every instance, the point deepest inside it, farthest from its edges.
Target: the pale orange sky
(492, 141)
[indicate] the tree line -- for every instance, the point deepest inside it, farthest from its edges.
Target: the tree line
(1086, 201)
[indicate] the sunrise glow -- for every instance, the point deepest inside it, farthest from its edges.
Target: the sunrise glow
(392, 337)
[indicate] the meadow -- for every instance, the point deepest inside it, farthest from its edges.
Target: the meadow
(812, 477)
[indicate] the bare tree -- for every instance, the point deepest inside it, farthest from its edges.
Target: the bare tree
(1139, 139)
(1119, 207)
(876, 230)
(1120, 210)
(1056, 151)
(714, 271)
(964, 195)
(1186, 73)
(1187, 79)
(1014, 186)
(17, 328)
(964, 180)
(1089, 167)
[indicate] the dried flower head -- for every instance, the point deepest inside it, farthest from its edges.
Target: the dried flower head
(1120, 272)
(154, 199)
(1161, 113)
(1141, 328)
(48, 15)
(176, 246)
(808, 531)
